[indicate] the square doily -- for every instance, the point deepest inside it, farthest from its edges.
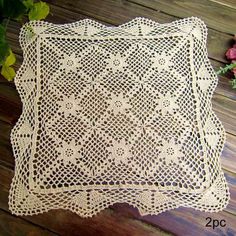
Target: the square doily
(116, 114)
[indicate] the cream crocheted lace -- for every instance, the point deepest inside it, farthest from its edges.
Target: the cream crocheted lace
(116, 114)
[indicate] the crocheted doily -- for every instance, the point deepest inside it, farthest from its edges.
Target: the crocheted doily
(116, 114)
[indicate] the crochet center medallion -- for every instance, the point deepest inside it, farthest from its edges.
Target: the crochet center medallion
(117, 114)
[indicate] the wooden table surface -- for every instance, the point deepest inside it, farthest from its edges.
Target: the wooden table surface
(122, 219)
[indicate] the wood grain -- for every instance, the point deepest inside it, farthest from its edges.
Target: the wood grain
(184, 222)
(11, 225)
(10, 104)
(218, 42)
(217, 16)
(227, 3)
(225, 109)
(228, 157)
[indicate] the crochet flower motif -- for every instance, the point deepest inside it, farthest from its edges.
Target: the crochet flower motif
(161, 62)
(170, 152)
(119, 104)
(120, 151)
(70, 63)
(116, 62)
(69, 152)
(68, 106)
(167, 104)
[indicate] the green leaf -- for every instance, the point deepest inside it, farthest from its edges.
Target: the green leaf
(8, 72)
(10, 60)
(39, 11)
(225, 69)
(233, 83)
(28, 3)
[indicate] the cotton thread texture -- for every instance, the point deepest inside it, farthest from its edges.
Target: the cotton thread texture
(116, 114)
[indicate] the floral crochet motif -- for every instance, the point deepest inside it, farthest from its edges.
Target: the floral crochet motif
(69, 63)
(161, 62)
(118, 104)
(120, 151)
(68, 106)
(69, 152)
(167, 103)
(170, 152)
(116, 62)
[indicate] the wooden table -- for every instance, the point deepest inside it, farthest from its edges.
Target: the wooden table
(122, 219)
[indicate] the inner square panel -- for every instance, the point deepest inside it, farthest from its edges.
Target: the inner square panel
(112, 123)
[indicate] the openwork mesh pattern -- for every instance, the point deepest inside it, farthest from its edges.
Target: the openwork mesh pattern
(116, 114)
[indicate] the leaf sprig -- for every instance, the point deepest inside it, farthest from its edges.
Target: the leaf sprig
(233, 83)
(16, 10)
(225, 69)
